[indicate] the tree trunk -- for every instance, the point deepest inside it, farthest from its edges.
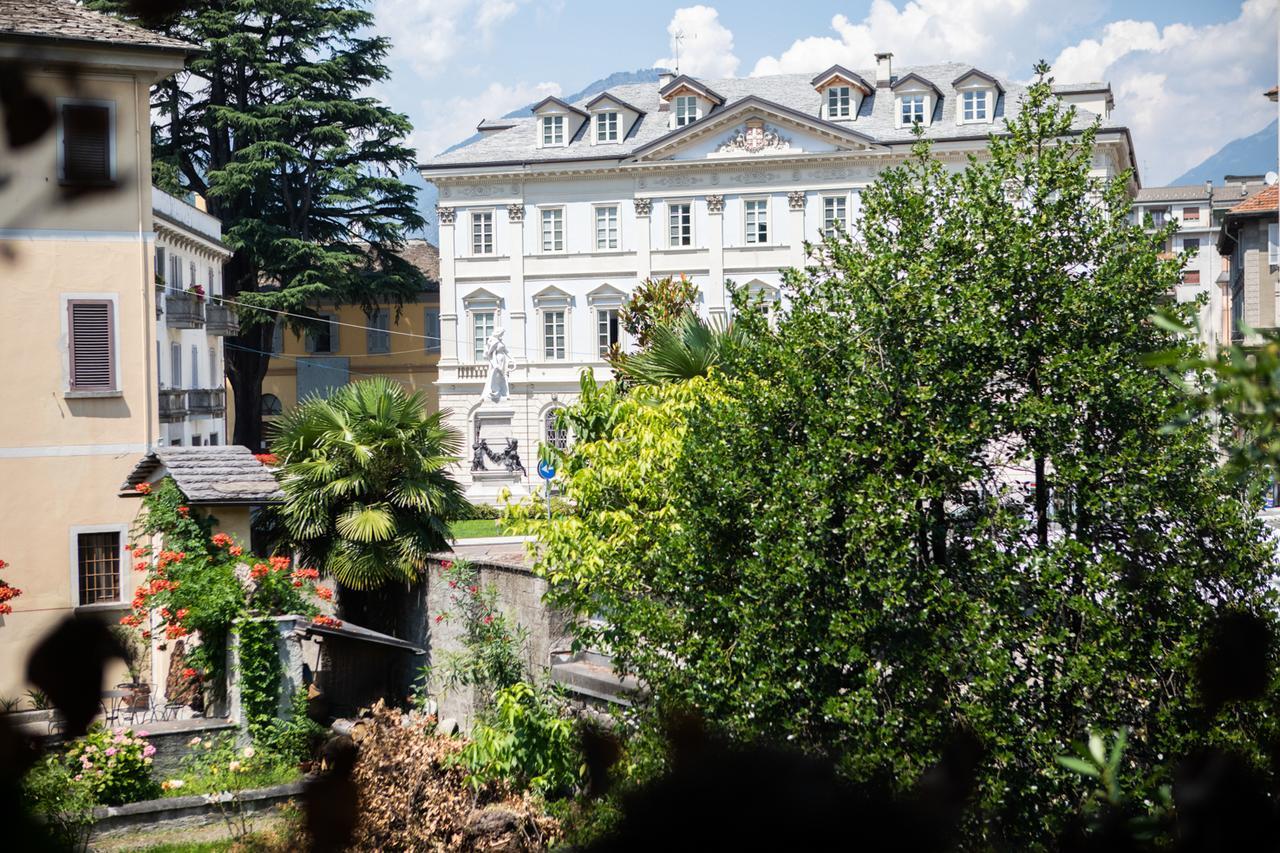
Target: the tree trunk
(246, 370)
(1042, 505)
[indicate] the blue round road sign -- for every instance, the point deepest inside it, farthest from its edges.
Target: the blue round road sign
(546, 470)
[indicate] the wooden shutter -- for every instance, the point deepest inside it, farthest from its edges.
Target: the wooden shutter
(86, 144)
(91, 345)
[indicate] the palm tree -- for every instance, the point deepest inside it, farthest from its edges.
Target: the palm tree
(367, 491)
(678, 351)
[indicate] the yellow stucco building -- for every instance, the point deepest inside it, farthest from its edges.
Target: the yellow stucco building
(77, 311)
(403, 344)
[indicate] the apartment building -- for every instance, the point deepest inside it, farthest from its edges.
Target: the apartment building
(1249, 242)
(191, 322)
(77, 310)
(548, 222)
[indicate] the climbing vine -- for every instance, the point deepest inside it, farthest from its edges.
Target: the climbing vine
(260, 672)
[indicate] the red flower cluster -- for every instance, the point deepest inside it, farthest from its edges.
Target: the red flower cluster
(327, 622)
(7, 594)
(279, 564)
(221, 540)
(446, 564)
(267, 458)
(235, 550)
(174, 632)
(488, 619)
(133, 620)
(141, 566)
(184, 511)
(439, 618)
(168, 557)
(259, 571)
(325, 593)
(143, 488)
(307, 574)
(140, 551)
(190, 673)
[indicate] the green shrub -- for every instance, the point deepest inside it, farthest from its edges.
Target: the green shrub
(481, 512)
(294, 739)
(61, 802)
(524, 741)
(216, 764)
(115, 764)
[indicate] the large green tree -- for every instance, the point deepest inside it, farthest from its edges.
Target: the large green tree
(939, 495)
(274, 125)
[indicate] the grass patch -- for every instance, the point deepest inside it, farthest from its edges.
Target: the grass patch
(474, 528)
(192, 847)
(274, 773)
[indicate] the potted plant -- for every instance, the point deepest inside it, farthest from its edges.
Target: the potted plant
(198, 290)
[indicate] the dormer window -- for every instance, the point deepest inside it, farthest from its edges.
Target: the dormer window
(607, 127)
(552, 130)
(974, 105)
(911, 109)
(839, 99)
(686, 110)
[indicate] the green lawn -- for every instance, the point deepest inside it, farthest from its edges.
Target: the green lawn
(474, 528)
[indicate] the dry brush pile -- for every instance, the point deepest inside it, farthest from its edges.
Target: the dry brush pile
(413, 794)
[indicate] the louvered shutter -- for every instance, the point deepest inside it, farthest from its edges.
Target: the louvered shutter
(86, 144)
(91, 345)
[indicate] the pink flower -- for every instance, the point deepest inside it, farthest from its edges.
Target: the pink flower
(142, 733)
(111, 750)
(79, 777)
(148, 751)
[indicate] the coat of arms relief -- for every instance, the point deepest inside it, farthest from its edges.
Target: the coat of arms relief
(754, 137)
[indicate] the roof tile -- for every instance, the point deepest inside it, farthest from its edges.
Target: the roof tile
(1266, 200)
(66, 20)
(226, 474)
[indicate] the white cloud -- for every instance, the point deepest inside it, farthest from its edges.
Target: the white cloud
(1184, 91)
(444, 122)
(431, 34)
(702, 45)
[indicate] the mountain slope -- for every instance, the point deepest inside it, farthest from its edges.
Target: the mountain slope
(1249, 155)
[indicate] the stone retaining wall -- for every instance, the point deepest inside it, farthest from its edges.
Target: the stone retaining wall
(177, 812)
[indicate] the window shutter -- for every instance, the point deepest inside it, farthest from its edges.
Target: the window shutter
(90, 344)
(1273, 243)
(333, 333)
(195, 366)
(277, 338)
(86, 144)
(432, 330)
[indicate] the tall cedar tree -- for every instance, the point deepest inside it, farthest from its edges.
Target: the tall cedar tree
(938, 495)
(272, 126)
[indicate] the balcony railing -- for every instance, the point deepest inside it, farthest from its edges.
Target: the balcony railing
(207, 402)
(221, 320)
(173, 405)
(183, 310)
(473, 371)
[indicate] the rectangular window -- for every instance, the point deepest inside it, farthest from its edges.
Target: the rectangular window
(606, 227)
(838, 101)
(973, 106)
(911, 108)
(431, 328)
(324, 336)
(1191, 244)
(607, 127)
(195, 366)
(175, 273)
(608, 331)
(215, 376)
(686, 110)
(175, 365)
(98, 567)
(91, 345)
(160, 270)
(553, 335)
(680, 220)
(377, 338)
(553, 229)
(192, 278)
(1191, 277)
(1190, 214)
(481, 329)
(87, 152)
(553, 130)
(482, 232)
(197, 440)
(1273, 243)
(1159, 215)
(757, 220)
(834, 215)
(213, 439)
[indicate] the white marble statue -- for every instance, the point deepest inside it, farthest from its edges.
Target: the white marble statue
(495, 351)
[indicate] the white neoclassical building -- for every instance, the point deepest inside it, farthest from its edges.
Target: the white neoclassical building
(547, 222)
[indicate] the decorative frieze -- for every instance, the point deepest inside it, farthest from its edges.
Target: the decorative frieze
(445, 214)
(479, 190)
(715, 204)
(795, 200)
(515, 212)
(643, 205)
(754, 138)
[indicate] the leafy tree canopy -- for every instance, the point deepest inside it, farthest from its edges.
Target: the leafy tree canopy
(938, 496)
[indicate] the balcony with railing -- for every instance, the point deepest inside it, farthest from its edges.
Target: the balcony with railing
(207, 402)
(184, 310)
(221, 321)
(173, 405)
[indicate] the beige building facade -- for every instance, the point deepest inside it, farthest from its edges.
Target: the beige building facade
(77, 316)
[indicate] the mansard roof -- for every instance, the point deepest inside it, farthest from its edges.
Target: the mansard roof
(876, 120)
(844, 74)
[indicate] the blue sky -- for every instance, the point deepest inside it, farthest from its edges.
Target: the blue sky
(1187, 76)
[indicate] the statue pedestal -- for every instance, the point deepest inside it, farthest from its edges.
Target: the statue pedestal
(486, 486)
(493, 425)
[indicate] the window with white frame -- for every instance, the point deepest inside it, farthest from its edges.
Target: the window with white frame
(607, 127)
(911, 109)
(608, 330)
(99, 579)
(680, 222)
(686, 111)
(553, 130)
(553, 334)
(553, 229)
(482, 232)
(839, 99)
(91, 345)
(835, 214)
(482, 325)
(756, 214)
(1273, 243)
(973, 105)
(86, 142)
(607, 227)
(554, 433)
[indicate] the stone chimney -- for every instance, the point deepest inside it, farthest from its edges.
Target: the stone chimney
(884, 70)
(665, 77)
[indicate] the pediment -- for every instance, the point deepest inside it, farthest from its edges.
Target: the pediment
(481, 298)
(606, 294)
(552, 296)
(755, 127)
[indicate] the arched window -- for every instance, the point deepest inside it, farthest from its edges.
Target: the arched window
(270, 405)
(554, 434)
